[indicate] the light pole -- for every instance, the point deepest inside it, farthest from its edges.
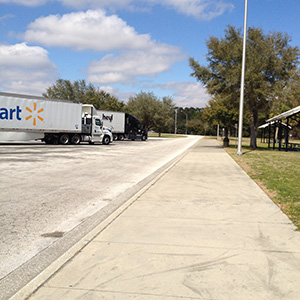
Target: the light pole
(175, 121)
(186, 120)
(239, 152)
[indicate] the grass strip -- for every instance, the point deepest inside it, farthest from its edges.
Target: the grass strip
(276, 172)
(165, 135)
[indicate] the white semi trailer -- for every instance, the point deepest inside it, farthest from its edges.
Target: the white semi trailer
(123, 125)
(54, 121)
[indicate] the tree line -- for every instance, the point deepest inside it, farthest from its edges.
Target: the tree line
(154, 113)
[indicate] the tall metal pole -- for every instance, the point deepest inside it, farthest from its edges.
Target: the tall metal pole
(186, 120)
(175, 121)
(239, 152)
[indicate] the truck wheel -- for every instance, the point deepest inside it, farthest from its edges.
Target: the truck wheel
(106, 140)
(64, 139)
(121, 137)
(75, 139)
(144, 138)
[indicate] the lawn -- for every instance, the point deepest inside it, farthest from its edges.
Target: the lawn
(276, 172)
(166, 135)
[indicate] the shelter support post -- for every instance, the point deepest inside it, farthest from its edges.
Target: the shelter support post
(279, 135)
(287, 135)
(274, 136)
(269, 137)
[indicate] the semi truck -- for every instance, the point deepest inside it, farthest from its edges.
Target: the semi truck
(123, 125)
(51, 120)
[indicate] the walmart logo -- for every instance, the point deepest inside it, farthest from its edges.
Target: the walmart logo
(15, 113)
(34, 114)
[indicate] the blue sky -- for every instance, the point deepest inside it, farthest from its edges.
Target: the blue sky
(124, 46)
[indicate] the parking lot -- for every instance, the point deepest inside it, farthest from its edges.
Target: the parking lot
(50, 191)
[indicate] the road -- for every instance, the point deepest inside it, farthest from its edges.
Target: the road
(47, 191)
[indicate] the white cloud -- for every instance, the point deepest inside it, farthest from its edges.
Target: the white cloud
(116, 92)
(94, 30)
(128, 66)
(90, 30)
(188, 94)
(120, 4)
(6, 17)
(24, 56)
(139, 55)
(31, 3)
(184, 94)
(25, 69)
(202, 9)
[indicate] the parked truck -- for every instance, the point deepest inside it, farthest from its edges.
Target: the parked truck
(123, 125)
(53, 121)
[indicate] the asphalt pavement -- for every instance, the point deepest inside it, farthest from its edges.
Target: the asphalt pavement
(202, 229)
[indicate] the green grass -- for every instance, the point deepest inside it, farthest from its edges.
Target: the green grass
(277, 172)
(166, 135)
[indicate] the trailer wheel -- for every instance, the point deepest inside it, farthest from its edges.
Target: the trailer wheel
(64, 139)
(106, 140)
(75, 139)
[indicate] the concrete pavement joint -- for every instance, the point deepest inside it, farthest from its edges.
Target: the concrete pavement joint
(213, 221)
(197, 247)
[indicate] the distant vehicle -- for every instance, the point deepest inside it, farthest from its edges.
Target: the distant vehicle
(51, 120)
(123, 125)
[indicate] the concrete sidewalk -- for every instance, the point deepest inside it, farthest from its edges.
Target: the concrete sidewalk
(202, 230)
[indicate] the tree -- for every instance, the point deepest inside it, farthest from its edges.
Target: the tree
(163, 119)
(286, 96)
(151, 111)
(195, 127)
(270, 63)
(82, 92)
(62, 89)
(222, 111)
(185, 116)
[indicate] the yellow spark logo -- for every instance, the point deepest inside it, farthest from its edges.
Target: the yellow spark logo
(34, 114)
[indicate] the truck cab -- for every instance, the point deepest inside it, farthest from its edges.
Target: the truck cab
(92, 128)
(135, 129)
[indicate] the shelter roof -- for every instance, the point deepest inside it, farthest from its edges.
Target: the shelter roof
(271, 123)
(286, 114)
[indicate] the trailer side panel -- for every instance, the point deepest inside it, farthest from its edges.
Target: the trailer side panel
(37, 114)
(112, 119)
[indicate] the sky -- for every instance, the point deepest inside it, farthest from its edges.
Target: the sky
(125, 46)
